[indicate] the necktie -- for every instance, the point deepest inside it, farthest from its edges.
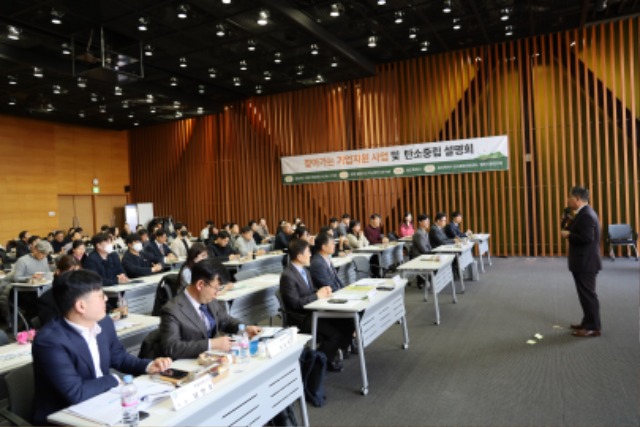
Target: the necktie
(305, 277)
(204, 309)
(334, 273)
(161, 247)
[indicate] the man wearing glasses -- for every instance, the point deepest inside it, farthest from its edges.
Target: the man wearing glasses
(192, 322)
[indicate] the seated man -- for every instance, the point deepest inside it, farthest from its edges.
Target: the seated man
(343, 226)
(297, 290)
(333, 224)
(263, 229)
(58, 242)
(245, 244)
(420, 240)
(158, 251)
(72, 355)
(256, 234)
(283, 237)
(192, 321)
(221, 249)
(373, 231)
(135, 262)
(104, 261)
(452, 230)
(322, 271)
(34, 265)
(436, 235)
(23, 248)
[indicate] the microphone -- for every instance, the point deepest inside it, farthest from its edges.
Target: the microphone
(566, 218)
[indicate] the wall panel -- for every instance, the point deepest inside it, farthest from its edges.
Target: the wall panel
(569, 103)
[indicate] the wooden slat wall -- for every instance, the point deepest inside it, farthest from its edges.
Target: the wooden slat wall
(571, 114)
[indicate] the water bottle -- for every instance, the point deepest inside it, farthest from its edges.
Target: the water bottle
(123, 306)
(129, 400)
(244, 344)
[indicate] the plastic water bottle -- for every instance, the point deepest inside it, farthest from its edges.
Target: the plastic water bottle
(123, 306)
(129, 400)
(244, 344)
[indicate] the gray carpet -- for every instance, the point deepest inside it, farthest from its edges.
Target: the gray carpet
(476, 368)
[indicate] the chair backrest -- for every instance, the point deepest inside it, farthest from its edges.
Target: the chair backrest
(4, 338)
(283, 310)
(245, 274)
(20, 388)
(167, 288)
(363, 267)
(620, 232)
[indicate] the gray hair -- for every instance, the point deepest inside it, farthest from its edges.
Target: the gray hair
(44, 247)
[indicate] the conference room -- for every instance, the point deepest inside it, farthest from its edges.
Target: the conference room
(451, 149)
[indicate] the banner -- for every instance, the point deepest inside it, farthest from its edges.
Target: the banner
(432, 158)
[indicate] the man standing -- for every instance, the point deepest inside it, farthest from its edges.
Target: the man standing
(584, 260)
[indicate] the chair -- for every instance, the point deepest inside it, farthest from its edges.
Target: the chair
(20, 388)
(282, 310)
(167, 288)
(362, 266)
(621, 235)
(245, 274)
(4, 338)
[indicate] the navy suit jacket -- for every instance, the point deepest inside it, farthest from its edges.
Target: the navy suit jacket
(324, 274)
(108, 269)
(153, 252)
(438, 238)
(584, 242)
(452, 230)
(63, 368)
(136, 265)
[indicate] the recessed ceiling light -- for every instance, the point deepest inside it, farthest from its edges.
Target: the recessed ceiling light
(277, 57)
(176, 104)
(66, 50)
(12, 80)
(263, 17)
(267, 75)
(150, 98)
(398, 17)
(152, 109)
(236, 81)
(319, 78)
(148, 50)
(14, 32)
(82, 82)
(424, 46)
(334, 62)
(258, 89)
(131, 115)
(37, 72)
(508, 30)
(413, 33)
(102, 108)
(446, 8)
(117, 91)
(314, 49)
(200, 110)
(125, 104)
(456, 23)
(110, 119)
(212, 73)
(300, 69)
(382, 2)
(94, 97)
(243, 65)
(251, 45)
(226, 1)
(12, 101)
(335, 10)
(136, 123)
(143, 23)
(183, 62)
(178, 114)
(56, 17)
(173, 81)
(182, 11)
(49, 107)
(373, 40)
(201, 89)
(220, 30)
(504, 14)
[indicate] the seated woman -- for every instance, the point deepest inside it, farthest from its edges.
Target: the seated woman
(197, 252)
(406, 228)
(355, 235)
(78, 250)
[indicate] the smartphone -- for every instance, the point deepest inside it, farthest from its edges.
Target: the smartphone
(143, 415)
(173, 374)
(337, 301)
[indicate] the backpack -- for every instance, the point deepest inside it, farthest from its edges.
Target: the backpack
(313, 365)
(167, 288)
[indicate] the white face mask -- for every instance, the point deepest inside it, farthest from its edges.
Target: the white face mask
(137, 247)
(108, 248)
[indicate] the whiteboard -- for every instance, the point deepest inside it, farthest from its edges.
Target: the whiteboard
(145, 213)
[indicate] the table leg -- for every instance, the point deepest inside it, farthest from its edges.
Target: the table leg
(303, 410)
(15, 312)
(460, 273)
(481, 261)
(427, 279)
(405, 332)
(314, 329)
(435, 304)
(489, 256)
(363, 367)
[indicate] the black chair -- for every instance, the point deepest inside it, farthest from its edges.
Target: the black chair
(19, 408)
(621, 235)
(167, 288)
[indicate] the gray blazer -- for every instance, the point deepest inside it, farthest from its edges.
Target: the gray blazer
(421, 244)
(183, 334)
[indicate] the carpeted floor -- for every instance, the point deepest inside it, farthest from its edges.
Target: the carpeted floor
(476, 368)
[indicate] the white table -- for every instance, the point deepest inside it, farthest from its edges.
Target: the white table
(252, 394)
(38, 288)
(482, 242)
(254, 299)
(438, 273)
(463, 255)
(268, 263)
(372, 317)
(140, 296)
(388, 254)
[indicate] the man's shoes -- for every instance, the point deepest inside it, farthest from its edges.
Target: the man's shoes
(354, 346)
(335, 366)
(576, 326)
(586, 333)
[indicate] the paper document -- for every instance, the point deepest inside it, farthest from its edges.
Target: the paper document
(123, 324)
(268, 332)
(369, 282)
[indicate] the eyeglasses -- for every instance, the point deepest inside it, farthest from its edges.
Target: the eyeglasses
(217, 288)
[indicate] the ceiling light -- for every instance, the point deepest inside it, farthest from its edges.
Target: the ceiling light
(243, 65)
(508, 30)
(81, 114)
(300, 69)
(143, 23)
(136, 123)
(446, 8)
(183, 62)
(150, 98)
(178, 114)
(182, 11)
(176, 104)
(456, 23)
(102, 108)
(82, 82)
(398, 16)
(117, 91)
(37, 72)
(236, 81)
(258, 89)
(94, 97)
(424, 46)
(334, 62)
(504, 14)
(148, 50)
(263, 17)
(601, 5)
(173, 81)
(382, 2)
(49, 107)
(66, 50)
(335, 10)
(277, 57)
(152, 109)
(319, 78)
(372, 41)
(314, 49)
(12, 101)
(267, 75)
(226, 1)
(125, 104)
(56, 17)
(251, 45)
(220, 30)
(200, 110)
(201, 89)
(110, 119)
(12, 80)
(14, 32)
(131, 115)
(413, 33)
(213, 73)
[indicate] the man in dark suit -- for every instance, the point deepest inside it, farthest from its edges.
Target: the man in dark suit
(297, 290)
(322, 271)
(135, 261)
(452, 229)
(283, 237)
(437, 235)
(221, 249)
(104, 261)
(72, 355)
(158, 250)
(191, 322)
(584, 260)
(23, 248)
(420, 242)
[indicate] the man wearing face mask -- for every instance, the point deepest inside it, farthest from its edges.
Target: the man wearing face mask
(104, 261)
(135, 262)
(181, 244)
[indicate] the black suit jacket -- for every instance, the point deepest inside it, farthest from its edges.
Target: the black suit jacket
(63, 367)
(282, 242)
(296, 294)
(108, 269)
(452, 230)
(438, 238)
(136, 265)
(153, 252)
(22, 249)
(324, 274)
(222, 253)
(584, 242)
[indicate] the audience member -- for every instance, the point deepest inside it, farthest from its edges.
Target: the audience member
(23, 247)
(58, 242)
(181, 244)
(343, 226)
(436, 235)
(204, 233)
(135, 261)
(245, 244)
(452, 230)
(283, 237)
(196, 253)
(104, 261)
(356, 236)
(322, 271)
(47, 308)
(406, 228)
(263, 229)
(34, 265)
(221, 249)
(373, 231)
(158, 251)
(78, 250)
